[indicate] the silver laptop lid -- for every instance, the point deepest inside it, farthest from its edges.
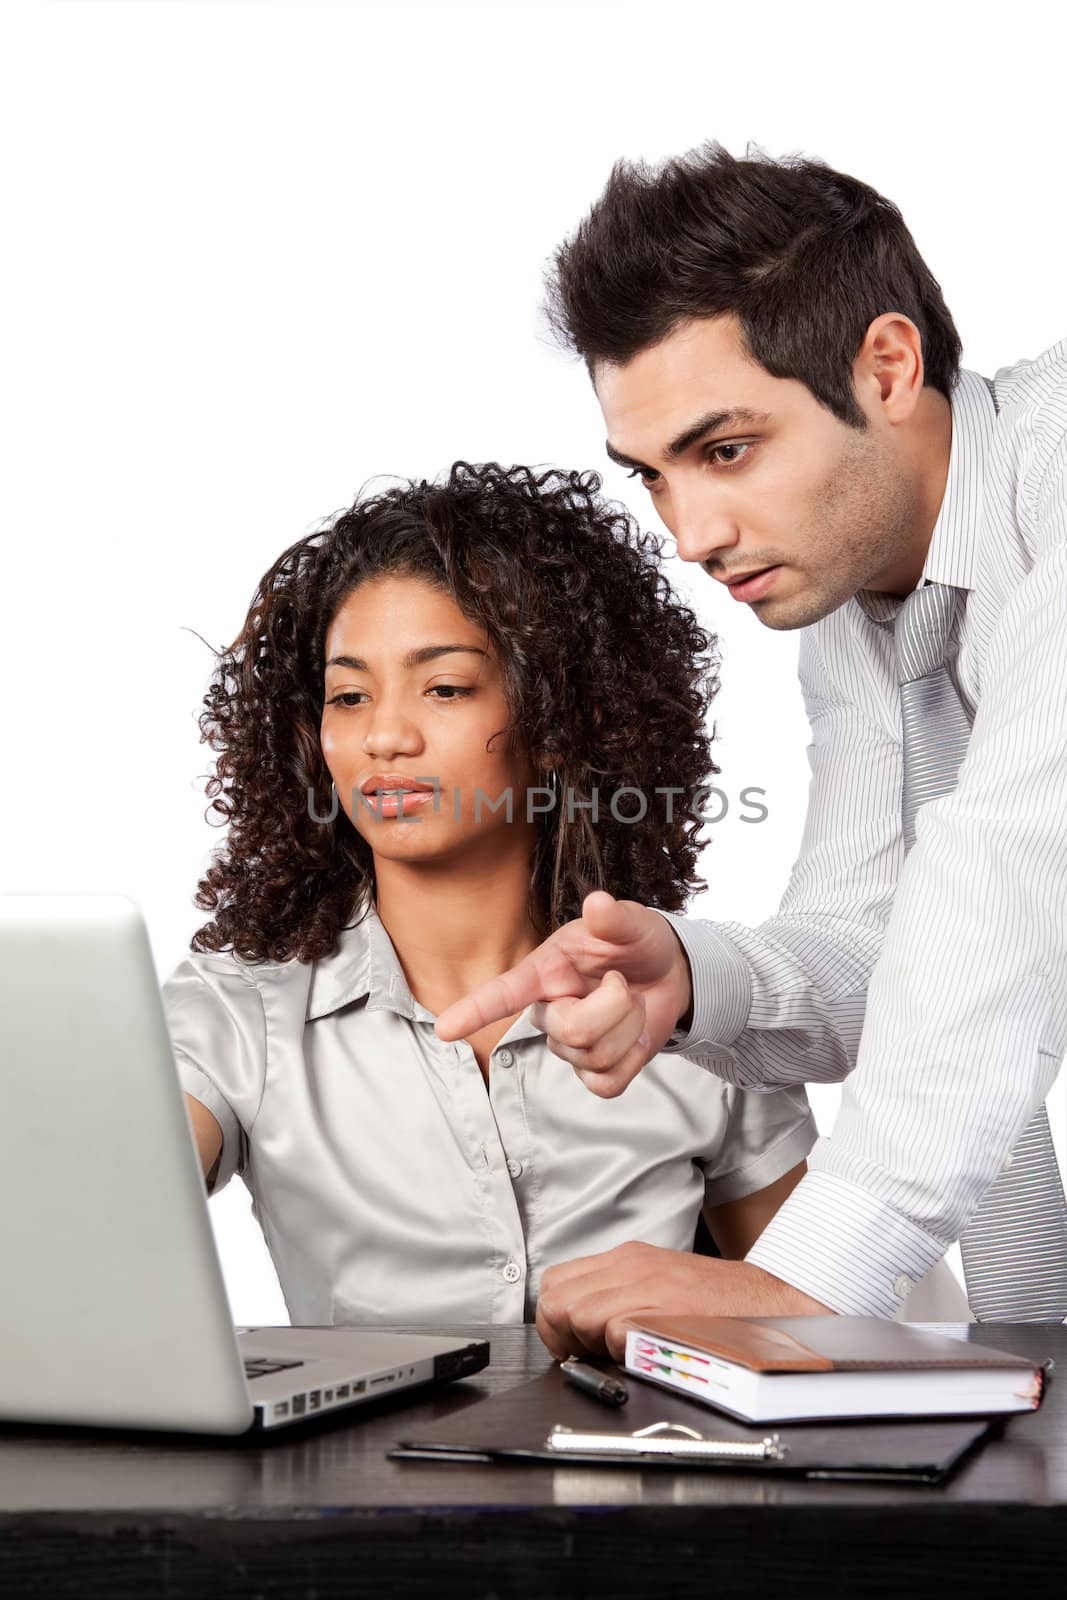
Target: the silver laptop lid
(113, 1310)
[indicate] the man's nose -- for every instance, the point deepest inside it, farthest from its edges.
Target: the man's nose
(701, 536)
(700, 527)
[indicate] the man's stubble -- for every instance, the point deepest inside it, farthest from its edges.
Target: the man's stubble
(861, 520)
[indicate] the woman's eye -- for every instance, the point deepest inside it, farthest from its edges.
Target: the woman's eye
(648, 475)
(348, 697)
(449, 691)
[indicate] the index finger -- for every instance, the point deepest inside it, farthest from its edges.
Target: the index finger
(501, 997)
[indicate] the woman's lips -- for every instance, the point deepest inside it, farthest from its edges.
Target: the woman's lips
(756, 587)
(394, 803)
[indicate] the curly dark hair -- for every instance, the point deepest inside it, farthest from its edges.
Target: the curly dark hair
(607, 677)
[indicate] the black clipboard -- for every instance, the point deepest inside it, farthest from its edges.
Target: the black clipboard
(530, 1424)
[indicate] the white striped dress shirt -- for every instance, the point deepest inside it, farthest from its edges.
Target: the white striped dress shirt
(938, 982)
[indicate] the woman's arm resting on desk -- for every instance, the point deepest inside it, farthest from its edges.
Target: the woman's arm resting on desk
(208, 1136)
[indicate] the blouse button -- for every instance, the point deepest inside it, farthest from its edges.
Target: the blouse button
(512, 1272)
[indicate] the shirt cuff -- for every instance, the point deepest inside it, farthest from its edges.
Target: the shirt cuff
(845, 1248)
(721, 982)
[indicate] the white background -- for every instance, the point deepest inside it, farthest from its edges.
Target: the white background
(259, 253)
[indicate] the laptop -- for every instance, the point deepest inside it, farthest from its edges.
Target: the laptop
(113, 1308)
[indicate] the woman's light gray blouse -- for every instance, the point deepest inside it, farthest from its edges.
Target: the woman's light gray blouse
(391, 1186)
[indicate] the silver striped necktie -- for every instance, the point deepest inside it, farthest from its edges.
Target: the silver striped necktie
(1015, 1247)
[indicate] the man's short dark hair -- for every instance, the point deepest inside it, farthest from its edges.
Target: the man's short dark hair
(803, 256)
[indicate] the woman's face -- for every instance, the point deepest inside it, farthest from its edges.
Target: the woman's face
(413, 699)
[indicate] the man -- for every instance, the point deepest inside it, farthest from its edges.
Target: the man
(776, 362)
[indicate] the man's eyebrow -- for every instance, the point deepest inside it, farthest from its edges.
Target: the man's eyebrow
(414, 658)
(711, 422)
(621, 460)
(739, 416)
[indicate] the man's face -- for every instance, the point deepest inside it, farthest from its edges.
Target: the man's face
(751, 472)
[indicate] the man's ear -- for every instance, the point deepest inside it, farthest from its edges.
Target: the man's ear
(888, 371)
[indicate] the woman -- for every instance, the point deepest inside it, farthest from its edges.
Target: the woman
(423, 732)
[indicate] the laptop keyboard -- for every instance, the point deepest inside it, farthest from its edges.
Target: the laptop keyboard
(263, 1366)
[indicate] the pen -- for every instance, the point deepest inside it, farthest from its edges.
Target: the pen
(601, 1385)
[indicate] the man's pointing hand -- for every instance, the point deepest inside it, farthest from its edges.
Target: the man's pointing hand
(608, 990)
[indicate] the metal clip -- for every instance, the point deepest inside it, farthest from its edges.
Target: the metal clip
(671, 1439)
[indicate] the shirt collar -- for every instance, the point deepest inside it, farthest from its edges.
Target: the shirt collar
(346, 974)
(954, 541)
(365, 966)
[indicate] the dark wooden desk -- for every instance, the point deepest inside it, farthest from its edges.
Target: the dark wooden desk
(327, 1515)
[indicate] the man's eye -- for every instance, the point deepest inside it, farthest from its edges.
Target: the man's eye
(728, 461)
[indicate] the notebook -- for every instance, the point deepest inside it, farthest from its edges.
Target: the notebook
(774, 1369)
(114, 1311)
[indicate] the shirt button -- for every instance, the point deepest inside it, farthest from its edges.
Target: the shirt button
(504, 1058)
(902, 1286)
(512, 1272)
(515, 1168)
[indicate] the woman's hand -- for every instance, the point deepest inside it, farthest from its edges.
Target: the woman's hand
(608, 990)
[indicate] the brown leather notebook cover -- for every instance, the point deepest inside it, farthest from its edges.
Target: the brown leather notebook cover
(827, 1344)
